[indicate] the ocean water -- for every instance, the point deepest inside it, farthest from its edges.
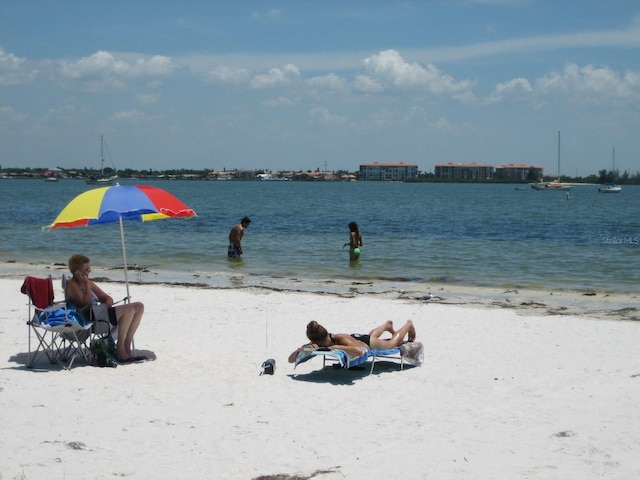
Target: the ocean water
(468, 234)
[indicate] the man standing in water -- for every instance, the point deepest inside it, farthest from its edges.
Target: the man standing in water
(235, 238)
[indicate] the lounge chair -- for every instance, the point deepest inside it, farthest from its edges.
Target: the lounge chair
(411, 353)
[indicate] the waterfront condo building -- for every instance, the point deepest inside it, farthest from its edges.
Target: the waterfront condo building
(387, 171)
(464, 171)
(519, 172)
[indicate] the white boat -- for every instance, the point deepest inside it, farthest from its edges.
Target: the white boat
(556, 184)
(101, 180)
(611, 187)
(267, 177)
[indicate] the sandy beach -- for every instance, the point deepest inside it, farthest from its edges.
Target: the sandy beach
(508, 390)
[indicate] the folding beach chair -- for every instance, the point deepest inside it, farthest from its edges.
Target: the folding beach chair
(61, 332)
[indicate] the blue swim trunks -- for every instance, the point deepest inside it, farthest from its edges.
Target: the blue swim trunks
(233, 251)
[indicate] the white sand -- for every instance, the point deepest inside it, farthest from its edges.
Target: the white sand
(502, 395)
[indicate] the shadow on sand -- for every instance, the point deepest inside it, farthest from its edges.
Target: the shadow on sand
(348, 376)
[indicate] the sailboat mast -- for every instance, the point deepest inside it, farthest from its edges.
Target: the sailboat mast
(101, 156)
(558, 155)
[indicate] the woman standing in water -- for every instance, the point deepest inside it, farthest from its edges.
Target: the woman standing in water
(355, 242)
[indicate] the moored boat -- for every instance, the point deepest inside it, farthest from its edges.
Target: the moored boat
(102, 179)
(556, 184)
(610, 188)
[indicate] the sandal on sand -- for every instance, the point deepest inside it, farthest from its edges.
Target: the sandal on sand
(138, 359)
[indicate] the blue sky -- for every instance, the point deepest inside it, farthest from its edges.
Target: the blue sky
(297, 85)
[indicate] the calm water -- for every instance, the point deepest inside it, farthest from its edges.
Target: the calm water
(493, 235)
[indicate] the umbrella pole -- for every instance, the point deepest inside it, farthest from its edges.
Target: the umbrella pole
(124, 256)
(126, 277)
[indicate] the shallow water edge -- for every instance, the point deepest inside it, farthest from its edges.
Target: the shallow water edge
(594, 304)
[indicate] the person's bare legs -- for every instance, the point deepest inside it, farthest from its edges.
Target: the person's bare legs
(385, 327)
(129, 317)
(396, 339)
(124, 322)
(137, 309)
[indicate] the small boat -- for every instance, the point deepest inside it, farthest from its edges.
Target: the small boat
(556, 184)
(610, 188)
(267, 177)
(101, 180)
(52, 178)
(559, 186)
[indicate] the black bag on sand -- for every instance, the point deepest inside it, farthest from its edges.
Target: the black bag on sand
(103, 351)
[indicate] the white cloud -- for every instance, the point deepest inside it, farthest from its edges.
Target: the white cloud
(69, 114)
(273, 15)
(441, 124)
(590, 84)
(586, 85)
(129, 116)
(388, 70)
(103, 70)
(14, 70)
(11, 115)
(279, 102)
(367, 84)
(321, 116)
(148, 98)
(330, 81)
(414, 114)
(276, 77)
(227, 75)
(516, 89)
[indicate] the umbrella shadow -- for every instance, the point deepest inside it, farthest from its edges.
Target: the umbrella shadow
(43, 364)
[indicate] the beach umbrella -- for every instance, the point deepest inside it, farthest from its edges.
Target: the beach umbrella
(119, 203)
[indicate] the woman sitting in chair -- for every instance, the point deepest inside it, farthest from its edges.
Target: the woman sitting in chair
(356, 344)
(82, 292)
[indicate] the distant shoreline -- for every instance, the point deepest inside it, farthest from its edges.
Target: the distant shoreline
(431, 181)
(309, 176)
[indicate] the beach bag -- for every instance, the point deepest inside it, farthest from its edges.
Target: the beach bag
(103, 351)
(100, 315)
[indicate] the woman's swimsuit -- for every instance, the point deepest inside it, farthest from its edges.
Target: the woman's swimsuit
(363, 337)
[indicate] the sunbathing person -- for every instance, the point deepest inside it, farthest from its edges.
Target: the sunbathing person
(83, 292)
(356, 344)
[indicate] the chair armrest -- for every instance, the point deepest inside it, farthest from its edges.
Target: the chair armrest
(122, 300)
(51, 308)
